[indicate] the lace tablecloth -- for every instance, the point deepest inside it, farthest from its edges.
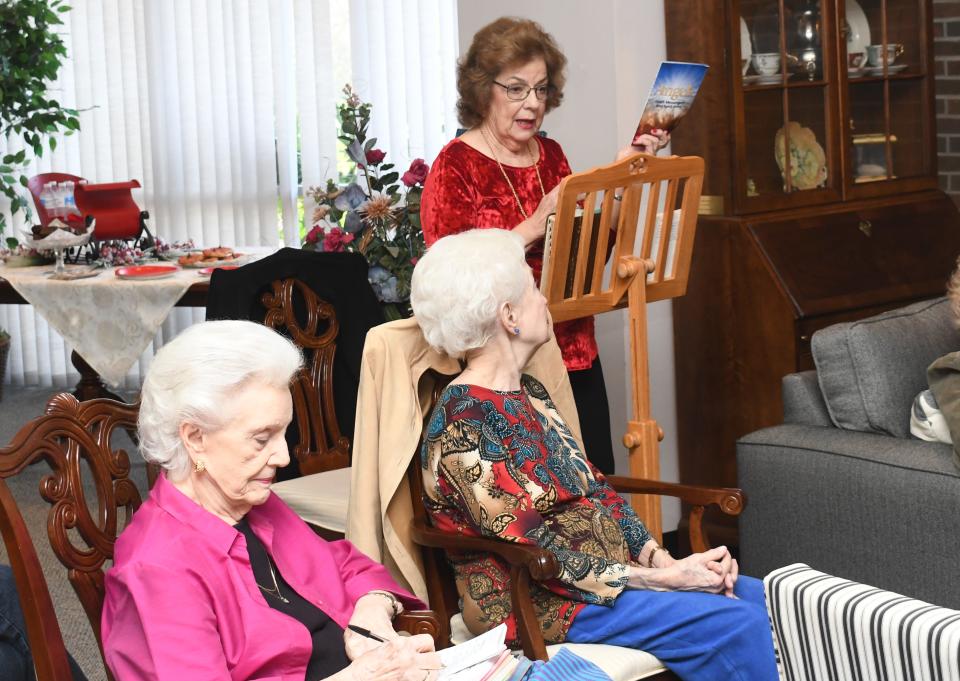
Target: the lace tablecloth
(107, 320)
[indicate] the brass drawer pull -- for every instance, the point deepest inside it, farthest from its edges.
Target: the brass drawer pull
(866, 227)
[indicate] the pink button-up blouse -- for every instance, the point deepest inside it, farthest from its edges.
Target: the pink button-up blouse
(181, 600)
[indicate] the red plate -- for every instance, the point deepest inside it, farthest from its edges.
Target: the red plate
(146, 271)
(207, 271)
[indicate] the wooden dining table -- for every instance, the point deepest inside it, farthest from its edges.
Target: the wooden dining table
(91, 385)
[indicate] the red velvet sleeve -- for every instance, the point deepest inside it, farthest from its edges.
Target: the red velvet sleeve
(449, 201)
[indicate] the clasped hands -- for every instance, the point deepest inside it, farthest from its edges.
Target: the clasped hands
(713, 571)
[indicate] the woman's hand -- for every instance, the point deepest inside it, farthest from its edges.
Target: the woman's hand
(374, 613)
(649, 143)
(407, 658)
(534, 227)
(713, 571)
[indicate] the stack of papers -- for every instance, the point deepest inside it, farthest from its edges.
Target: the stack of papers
(484, 658)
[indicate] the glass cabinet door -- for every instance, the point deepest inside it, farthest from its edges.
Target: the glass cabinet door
(788, 95)
(887, 95)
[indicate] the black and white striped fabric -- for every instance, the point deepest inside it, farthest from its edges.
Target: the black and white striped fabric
(829, 628)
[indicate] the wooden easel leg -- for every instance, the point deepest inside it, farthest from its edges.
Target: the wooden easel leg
(643, 434)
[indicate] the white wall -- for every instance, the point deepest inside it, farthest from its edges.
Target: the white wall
(614, 48)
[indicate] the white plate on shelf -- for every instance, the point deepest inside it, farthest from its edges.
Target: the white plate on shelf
(859, 36)
(773, 79)
(891, 69)
(856, 73)
(746, 45)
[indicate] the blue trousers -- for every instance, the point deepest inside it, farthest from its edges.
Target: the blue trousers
(696, 635)
(16, 662)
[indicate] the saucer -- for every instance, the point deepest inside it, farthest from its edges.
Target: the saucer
(772, 79)
(891, 69)
(856, 73)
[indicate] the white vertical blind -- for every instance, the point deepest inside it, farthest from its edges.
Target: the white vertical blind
(212, 104)
(404, 62)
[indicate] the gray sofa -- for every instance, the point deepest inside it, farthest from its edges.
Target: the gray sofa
(842, 485)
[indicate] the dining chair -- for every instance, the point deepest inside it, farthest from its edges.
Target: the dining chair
(75, 440)
(324, 304)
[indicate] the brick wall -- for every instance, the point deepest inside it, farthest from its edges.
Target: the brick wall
(946, 47)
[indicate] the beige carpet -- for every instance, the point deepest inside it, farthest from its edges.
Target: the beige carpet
(18, 406)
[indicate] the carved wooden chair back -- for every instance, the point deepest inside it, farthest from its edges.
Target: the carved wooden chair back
(294, 309)
(441, 587)
(74, 438)
(651, 261)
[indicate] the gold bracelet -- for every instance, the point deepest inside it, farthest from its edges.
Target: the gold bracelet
(653, 553)
(395, 603)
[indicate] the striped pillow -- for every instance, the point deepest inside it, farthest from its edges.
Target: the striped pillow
(825, 627)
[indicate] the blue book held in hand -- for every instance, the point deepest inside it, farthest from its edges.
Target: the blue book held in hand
(671, 96)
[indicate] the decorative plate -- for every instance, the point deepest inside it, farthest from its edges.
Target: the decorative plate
(859, 35)
(173, 255)
(207, 271)
(146, 271)
(746, 45)
(808, 167)
(237, 259)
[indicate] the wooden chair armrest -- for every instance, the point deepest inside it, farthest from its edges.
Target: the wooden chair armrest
(729, 499)
(541, 564)
(525, 562)
(418, 622)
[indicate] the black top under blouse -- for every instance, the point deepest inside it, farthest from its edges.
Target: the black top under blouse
(329, 655)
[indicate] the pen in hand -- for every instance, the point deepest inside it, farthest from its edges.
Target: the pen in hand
(365, 632)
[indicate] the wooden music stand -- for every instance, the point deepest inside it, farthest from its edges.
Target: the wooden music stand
(649, 266)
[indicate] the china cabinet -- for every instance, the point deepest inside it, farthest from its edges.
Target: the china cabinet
(816, 121)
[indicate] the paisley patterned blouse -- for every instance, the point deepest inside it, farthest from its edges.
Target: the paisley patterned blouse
(505, 465)
(465, 190)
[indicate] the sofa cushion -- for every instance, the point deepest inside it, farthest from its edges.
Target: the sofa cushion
(870, 370)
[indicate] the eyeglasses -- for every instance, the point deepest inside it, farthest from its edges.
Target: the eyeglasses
(518, 92)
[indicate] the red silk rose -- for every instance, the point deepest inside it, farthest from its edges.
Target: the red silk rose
(313, 236)
(335, 240)
(417, 173)
(375, 156)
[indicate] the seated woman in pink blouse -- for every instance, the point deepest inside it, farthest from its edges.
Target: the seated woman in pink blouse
(499, 461)
(215, 577)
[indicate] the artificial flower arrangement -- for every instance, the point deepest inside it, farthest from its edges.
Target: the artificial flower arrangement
(369, 213)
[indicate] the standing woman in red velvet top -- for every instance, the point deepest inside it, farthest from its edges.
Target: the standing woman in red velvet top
(502, 174)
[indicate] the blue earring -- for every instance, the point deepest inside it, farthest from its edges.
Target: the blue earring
(516, 331)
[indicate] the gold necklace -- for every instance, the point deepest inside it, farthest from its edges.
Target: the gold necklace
(275, 591)
(507, 178)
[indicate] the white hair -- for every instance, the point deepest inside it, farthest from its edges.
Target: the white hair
(193, 377)
(460, 284)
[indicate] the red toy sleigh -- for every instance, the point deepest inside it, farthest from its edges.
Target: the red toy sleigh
(117, 215)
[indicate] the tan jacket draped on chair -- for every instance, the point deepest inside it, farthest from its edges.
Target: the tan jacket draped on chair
(388, 425)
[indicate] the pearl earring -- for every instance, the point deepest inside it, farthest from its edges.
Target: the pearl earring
(199, 466)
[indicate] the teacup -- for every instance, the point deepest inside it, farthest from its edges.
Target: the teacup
(855, 60)
(875, 53)
(767, 63)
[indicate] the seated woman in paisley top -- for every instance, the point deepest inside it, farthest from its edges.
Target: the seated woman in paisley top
(499, 461)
